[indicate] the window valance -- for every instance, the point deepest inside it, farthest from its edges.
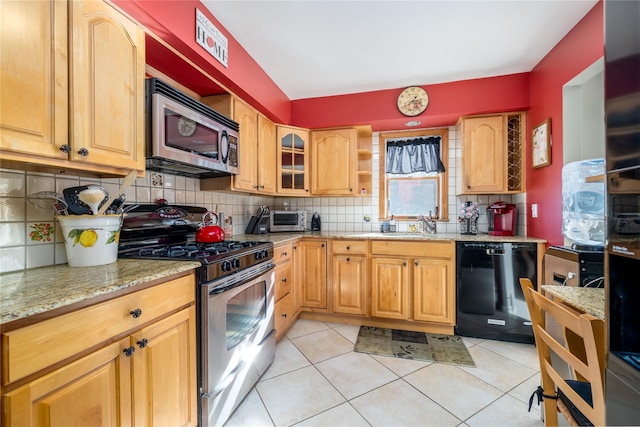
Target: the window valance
(414, 155)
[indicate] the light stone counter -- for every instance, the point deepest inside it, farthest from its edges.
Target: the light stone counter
(35, 291)
(278, 238)
(587, 300)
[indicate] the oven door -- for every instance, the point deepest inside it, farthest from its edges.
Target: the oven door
(237, 339)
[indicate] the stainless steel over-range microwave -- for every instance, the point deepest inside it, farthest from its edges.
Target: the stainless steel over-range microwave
(187, 137)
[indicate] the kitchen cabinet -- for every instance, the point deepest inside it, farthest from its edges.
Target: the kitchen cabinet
(341, 161)
(413, 281)
(292, 161)
(72, 94)
(285, 310)
(492, 154)
(257, 166)
(130, 360)
(310, 259)
(349, 286)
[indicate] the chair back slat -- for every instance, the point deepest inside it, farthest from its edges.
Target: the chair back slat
(582, 350)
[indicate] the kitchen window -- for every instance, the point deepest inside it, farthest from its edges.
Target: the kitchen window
(413, 179)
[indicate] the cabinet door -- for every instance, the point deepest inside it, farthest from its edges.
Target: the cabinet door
(107, 69)
(247, 118)
(293, 161)
(333, 157)
(433, 290)
(389, 287)
(483, 155)
(311, 273)
(92, 391)
(34, 83)
(164, 371)
(267, 182)
(349, 284)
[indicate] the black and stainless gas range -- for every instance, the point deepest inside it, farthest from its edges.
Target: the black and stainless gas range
(235, 301)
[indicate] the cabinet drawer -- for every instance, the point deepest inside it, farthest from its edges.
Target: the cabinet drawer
(349, 246)
(413, 249)
(282, 281)
(35, 347)
(283, 313)
(282, 253)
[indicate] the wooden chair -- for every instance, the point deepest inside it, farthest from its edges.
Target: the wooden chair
(580, 401)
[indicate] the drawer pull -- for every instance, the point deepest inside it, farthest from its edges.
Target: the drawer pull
(404, 264)
(142, 343)
(348, 259)
(284, 279)
(284, 254)
(416, 263)
(348, 247)
(136, 313)
(129, 351)
(284, 315)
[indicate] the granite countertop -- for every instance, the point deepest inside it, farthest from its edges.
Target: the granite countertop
(34, 291)
(279, 238)
(587, 300)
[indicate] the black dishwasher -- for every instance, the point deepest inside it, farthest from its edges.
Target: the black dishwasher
(490, 302)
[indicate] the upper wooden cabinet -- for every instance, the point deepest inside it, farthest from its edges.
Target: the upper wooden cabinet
(72, 87)
(257, 170)
(292, 161)
(492, 154)
(339, 161)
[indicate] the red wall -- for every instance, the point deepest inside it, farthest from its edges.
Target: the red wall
(580, 48)
(540, 91)
(447, 102)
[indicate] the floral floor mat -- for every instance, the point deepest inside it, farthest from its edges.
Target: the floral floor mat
(413, 345)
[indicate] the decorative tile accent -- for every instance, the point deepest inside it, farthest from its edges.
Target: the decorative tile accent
(156, 179)
(42, 232)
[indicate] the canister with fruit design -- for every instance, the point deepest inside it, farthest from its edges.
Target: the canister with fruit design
(90, 239)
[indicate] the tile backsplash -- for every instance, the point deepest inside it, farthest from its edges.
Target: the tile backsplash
(30, 237)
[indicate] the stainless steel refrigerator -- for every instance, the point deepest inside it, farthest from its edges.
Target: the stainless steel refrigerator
(622, 259)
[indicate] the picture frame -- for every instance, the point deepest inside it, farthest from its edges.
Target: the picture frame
(541, 146)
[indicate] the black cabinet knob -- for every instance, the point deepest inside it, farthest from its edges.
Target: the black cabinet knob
(142, 343)
(65, 148)
(129, 351)
(416, 263)
(284, 279)
(284, 315)
(348, 247)
(83, 152)
(136, 313)
(348, 259)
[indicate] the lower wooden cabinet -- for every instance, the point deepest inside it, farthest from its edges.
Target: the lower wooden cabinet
(413, 281)
(389, 287)
(286, 311)
(311, 272)
(349, 277)
(146, 377)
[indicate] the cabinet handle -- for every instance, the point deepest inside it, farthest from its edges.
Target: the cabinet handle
(306, 189)
(284, 254)
(348, 259)
(284, 315)
(416, 262)
(83, 152)
(262, 187)
(142, 343)
(65, 148)
(404, 264)
(256, 187)
(136, 313)
(294, 247)
(129, 351)
(348, 247)
(351, 190)
(284, 279)
(323, 245)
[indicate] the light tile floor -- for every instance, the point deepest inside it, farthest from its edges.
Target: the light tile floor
(318, 380)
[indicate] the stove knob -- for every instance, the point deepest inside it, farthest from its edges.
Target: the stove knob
(226, 266)
(236, 263)
(258, 255)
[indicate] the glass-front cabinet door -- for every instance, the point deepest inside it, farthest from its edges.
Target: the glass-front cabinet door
(293, 161)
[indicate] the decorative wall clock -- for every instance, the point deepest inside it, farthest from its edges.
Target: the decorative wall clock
(413, 101)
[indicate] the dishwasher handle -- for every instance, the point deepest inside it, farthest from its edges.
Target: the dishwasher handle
(494, 251)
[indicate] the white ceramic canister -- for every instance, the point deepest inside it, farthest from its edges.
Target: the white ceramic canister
(90, 240)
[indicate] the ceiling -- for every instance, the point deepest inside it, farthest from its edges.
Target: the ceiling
(331, 47)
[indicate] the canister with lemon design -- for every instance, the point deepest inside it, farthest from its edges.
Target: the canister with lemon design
(91, 239)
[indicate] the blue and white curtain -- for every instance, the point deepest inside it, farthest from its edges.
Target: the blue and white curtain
(414, 155)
